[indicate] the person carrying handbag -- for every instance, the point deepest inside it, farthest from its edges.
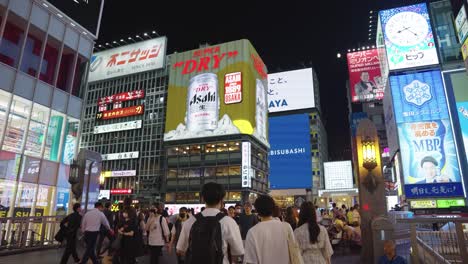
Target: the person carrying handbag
(158, 233)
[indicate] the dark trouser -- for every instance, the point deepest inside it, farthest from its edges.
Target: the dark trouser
(101, 238)
(180, 260)
(155, 252)
(70, 249)
(90, 239)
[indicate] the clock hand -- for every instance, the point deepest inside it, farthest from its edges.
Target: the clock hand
(404, 28)
(413, 33)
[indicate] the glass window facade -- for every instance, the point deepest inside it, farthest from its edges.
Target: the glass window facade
(12, 40)
(36, 131)
(17, 123)
(32, 51)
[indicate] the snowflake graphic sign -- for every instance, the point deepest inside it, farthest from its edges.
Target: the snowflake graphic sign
(417, 93)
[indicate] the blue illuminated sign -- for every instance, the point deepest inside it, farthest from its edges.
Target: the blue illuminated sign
(290, 153)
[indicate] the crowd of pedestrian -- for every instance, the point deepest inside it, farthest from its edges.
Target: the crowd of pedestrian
(216, 235)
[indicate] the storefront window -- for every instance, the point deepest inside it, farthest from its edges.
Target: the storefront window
(222, 171)
(234, 196)
(32, 51)
(61, 205)
(45, 201)
(54, 134)
(66, 69)
(49, 63)
(37, 127)
(49, 172)
(9, 165)
(71, 140)
(12, 40)
(24, 199)
(7, 192)
(4, 100)
(30, 170)
(234, 170)
(234, 146)
(16, 125)
(80, 73)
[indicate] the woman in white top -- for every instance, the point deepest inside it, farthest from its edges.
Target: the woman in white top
(158, 232)
(312, 238)
(267, 241)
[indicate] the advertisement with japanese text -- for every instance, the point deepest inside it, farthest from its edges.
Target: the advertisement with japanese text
(217, 90)
(290, 158)
(129, 59)
(429, 156)
(291, 90)
(409, 40)
(365, 79)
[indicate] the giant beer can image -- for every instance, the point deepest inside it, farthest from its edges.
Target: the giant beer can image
(260, 112)
(203, 103)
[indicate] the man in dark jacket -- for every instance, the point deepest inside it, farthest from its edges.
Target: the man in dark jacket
(71, 224)
(103, 232)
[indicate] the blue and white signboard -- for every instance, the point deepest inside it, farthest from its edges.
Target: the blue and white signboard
(290, 157)
(429, 156)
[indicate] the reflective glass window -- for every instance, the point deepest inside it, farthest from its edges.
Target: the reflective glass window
(16, 124)
(234, 170)
(4, 100)
(9, 165)
(64, 171)
(7, 193)
(49, 62)
(61, 201)
(32, 51)
(54, 134)
(70, 140)
(65, 76)
(49, 172)
(36, 133)
(222, 171)
(25, 196)
(78, 88)
(45, 200)
(12, 40)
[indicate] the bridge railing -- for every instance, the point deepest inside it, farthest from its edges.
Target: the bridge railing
(19, 234)
(438, 239)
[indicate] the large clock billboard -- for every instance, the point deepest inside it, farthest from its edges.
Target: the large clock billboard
(409, 40)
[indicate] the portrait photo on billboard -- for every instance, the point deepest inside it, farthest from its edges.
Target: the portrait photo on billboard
(429, 156)
(365, 78)
(419, 97)
(409, 40)
(217, 90)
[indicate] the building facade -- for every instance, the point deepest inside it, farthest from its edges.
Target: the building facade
(43, 64)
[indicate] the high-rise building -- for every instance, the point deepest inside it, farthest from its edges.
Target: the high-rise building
(45, 47)
(297, 136)
(123, 118)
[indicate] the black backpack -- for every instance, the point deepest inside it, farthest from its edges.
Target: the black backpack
(205, 241)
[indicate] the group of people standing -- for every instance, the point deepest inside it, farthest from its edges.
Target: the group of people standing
(214, 236)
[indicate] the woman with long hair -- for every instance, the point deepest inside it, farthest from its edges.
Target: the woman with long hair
(290, 217)
(312, 238)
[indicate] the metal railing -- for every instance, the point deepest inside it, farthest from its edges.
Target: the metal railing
(18, 234)
(438, 239)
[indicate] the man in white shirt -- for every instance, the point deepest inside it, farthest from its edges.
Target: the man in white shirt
(213, 195)
(90, 226)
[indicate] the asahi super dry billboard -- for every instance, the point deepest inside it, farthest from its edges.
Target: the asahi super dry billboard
(217, 90)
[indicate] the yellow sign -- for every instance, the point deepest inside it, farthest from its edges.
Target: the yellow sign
(464, 49)
(423, 204)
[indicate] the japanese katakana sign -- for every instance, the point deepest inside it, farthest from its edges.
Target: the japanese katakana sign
(121, 97)
(121, 112)
(134, 58)
(365, 78)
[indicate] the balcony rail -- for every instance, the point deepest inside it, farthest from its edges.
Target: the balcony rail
(19, 234)
(435, 239)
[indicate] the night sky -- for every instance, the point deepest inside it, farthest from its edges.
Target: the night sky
(288, 35)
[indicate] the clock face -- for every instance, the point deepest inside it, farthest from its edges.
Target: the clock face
(407, 29)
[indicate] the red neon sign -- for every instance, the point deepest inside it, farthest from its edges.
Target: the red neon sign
(121, 191)
(120, 112)
(121, 97)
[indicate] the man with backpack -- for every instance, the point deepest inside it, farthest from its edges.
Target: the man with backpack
(213, 238)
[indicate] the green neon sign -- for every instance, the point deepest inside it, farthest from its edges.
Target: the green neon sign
(447, 203)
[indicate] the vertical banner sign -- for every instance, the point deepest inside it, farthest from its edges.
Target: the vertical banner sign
(409, 40)
(216, 91)
(430, 163)
(246, 163)
(364, 76)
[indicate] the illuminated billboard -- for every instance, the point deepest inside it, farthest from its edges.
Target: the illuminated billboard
(120, 112)
(427, 147)
(338, 175)
(215, 91)
(409, 40)
(291, 90)
(290, 158)
(365, 78)
(122, 97)
(129, 59)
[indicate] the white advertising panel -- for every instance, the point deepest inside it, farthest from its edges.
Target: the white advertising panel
(246, 162)
(117, 127)
(104, 194)
(173, 209)
(338, 175)
(129, 59)
(461, 24)
(291, 90)
(120, 156)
